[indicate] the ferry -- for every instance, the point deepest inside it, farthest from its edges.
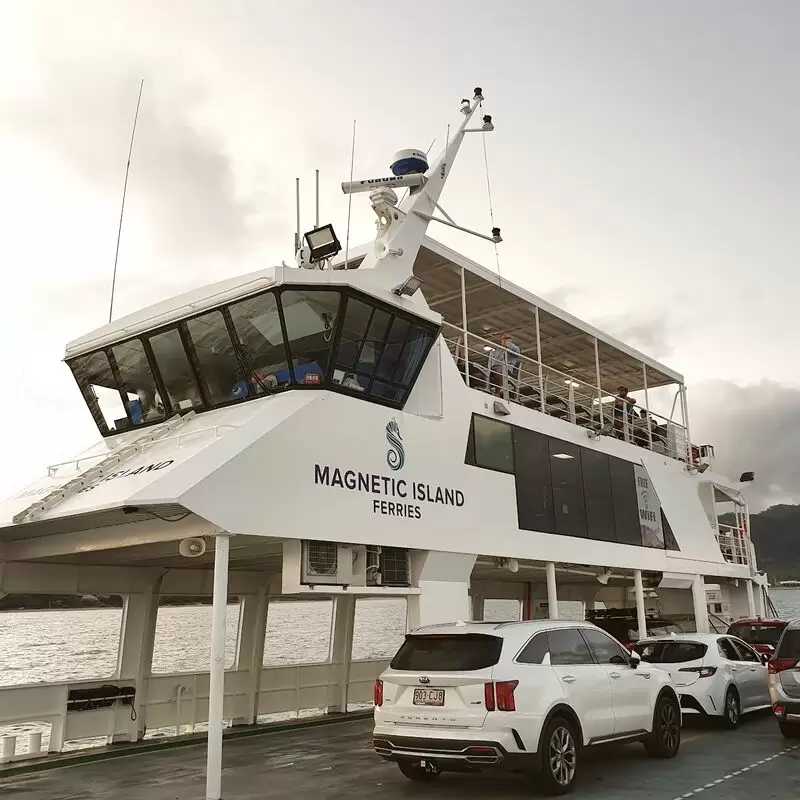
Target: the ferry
(394, 420)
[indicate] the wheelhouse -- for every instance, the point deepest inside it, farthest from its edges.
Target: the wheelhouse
(293, 337)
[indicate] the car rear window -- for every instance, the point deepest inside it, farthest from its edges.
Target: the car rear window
(448, 652)
(670, 652)
(790, 645)
(756, 633)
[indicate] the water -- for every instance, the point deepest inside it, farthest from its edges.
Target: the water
(44, 646)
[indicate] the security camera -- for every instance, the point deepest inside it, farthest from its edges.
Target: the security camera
(192, 548)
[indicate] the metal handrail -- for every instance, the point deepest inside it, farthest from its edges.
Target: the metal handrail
(536, 385)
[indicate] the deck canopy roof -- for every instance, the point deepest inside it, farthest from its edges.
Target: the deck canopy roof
(495, 306)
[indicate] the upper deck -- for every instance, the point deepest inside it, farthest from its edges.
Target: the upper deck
(285, 328)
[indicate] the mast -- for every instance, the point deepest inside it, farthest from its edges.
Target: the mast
(402, 228)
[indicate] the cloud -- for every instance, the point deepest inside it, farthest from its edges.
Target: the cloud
(754, 427)
(182, 180)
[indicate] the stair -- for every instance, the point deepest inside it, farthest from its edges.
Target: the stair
(111, 462)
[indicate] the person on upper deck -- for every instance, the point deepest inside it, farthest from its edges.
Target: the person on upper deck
(623, 406)
(505, 358)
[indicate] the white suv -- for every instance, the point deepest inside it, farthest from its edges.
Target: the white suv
(521, 696)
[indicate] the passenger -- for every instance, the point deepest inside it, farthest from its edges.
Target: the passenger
(502, 359)
(623, 407)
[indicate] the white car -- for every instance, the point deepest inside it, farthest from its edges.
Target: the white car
(520, 696)
(714, 674)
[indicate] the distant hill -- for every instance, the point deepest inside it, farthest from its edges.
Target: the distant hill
(776, 536)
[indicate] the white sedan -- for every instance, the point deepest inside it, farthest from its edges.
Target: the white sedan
(714, 674)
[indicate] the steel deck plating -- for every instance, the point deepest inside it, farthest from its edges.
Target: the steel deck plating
(336, 761)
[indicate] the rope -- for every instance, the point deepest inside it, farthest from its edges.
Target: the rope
(491, 208)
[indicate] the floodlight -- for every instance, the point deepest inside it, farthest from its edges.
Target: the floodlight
(322, 243)
(408, 286)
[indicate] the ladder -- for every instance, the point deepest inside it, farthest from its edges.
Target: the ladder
(84, 479)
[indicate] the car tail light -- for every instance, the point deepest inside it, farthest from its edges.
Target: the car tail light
(703, 672)
(778, 710)
(500, 695)
(505, 695)
(377, 694)
(776, 665)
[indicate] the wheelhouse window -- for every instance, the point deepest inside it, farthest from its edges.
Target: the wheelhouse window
(176, 371)
(379, 353)
(260, 345)
(140, 394)
(310, 318)
(218, 363)
(290, 338)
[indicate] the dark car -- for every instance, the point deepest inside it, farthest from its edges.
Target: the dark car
(623, 624)
(761, 634)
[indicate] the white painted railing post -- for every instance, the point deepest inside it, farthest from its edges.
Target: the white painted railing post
(216, 696)
(700, 604)
(552, 591)
(250, 654)
(135, 655)
(638, 591)
(342, 646)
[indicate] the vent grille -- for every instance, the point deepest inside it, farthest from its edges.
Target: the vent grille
(323, 558)
(395, 566)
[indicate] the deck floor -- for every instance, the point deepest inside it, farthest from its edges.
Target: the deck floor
(336, 762)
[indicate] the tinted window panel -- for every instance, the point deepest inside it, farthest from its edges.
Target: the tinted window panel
(670, 542)
(260, 342)
(356, 322)
(533, 482)
(535, 651)
(100, 391)
(597, 494)
(448, 653)
(604, 649)
(175, 370)
(670, 652)
(745, 653)
(568, 503)
(390, 358)
(419, 340)
(568, 647)
(493, 444)
(757, 633)
(310, 318)
(216, 358)
(142, 398)
(626, 506)
(790, 645)
(727, 650)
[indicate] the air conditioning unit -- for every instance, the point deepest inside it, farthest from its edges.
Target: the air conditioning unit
(395, 566)
(374, 574)
(332, 563)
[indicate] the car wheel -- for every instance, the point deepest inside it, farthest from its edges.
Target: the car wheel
(559, 765)
(664, 740)
(421, 771)
(790, 730)
(732, 713)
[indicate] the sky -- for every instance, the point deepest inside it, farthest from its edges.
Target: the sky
(645, 172)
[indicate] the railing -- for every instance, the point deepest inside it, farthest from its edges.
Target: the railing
(176, 701)
(491, 368)
(733, 543)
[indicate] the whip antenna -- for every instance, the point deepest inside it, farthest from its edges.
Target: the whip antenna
(122, 208)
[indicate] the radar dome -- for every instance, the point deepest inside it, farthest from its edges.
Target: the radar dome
(409, 162)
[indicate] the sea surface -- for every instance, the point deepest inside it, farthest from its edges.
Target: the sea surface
(75, 644)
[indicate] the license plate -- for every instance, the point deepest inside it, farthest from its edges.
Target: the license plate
(428, 697)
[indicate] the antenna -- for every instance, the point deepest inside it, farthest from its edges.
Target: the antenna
(316, 221)
(350, 198)
(297, 228)
(122, 208)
